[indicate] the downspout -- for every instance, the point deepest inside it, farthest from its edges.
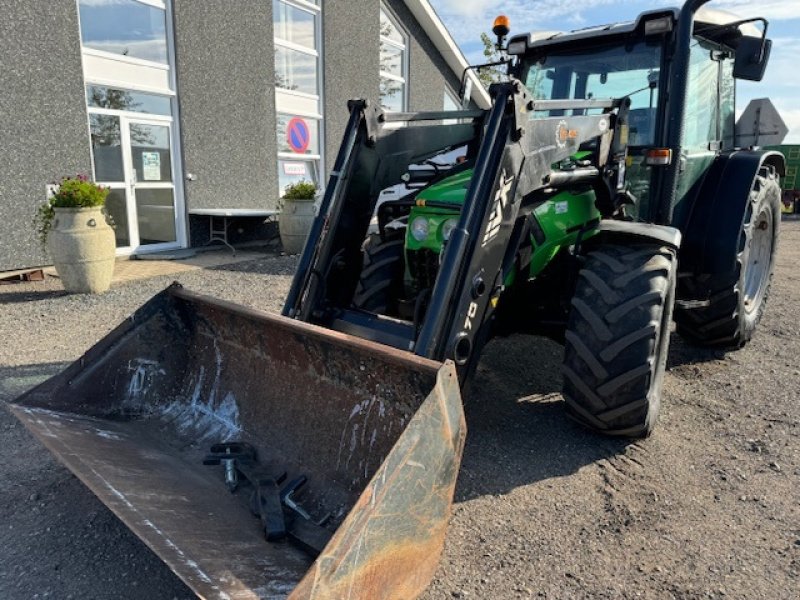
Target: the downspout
(679, 81)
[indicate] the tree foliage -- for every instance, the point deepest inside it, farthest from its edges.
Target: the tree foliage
(497, 73)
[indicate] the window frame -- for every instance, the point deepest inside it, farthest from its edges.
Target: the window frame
(405, 53)
(316, 12)
(317, 53)
(143, 62)
(172, 121)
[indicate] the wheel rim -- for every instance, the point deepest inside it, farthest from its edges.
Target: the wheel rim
(758, 260)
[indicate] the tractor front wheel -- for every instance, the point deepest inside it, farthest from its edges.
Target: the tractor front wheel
(381, 277)
(617, 338)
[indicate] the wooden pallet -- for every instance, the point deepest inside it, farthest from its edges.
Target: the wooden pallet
(21, 275)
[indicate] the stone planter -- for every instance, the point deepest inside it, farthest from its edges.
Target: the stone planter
(295, 222)
(82, 246)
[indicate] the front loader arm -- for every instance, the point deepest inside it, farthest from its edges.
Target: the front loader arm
(515, 160)
(373, 155)
(513, 155)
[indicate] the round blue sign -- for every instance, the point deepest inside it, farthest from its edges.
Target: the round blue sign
(298, 135)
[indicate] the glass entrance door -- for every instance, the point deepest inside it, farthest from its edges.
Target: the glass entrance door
(133, 156)
(151, 204)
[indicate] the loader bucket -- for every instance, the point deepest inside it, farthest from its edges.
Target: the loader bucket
(376, 432)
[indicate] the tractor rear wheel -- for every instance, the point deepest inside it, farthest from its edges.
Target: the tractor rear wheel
(617, 338)
(736, 300)
(381, 278)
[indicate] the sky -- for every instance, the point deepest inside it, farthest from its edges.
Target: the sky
(466, 19)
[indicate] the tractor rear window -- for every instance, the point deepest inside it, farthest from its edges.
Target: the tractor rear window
(605, 72)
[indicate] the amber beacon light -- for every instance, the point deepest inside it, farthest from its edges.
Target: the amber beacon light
(501, 26)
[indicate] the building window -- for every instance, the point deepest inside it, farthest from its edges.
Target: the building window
(393, 63)
(132, 28)
(450, 101)
(130, 96)
(298, 90)
(98, 96)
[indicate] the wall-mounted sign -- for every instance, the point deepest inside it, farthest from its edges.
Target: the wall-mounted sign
(151, 166)
(294, 168)
(298, 135)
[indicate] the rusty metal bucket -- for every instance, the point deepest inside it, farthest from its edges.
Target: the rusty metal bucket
(378, 433)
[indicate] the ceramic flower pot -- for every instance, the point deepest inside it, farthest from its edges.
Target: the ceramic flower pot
(82, 246)
(295, 222)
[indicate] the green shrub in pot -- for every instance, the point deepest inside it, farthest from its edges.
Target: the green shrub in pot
(72, 225)
(297, 215)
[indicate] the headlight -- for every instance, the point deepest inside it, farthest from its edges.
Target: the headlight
(447, 228)
(419, 228)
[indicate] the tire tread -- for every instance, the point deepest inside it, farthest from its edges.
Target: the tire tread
(614, 340)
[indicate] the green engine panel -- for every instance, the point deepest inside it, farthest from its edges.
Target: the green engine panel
(560, 220)
(452, 191)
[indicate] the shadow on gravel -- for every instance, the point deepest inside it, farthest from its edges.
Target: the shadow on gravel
(58, 540)
(271, 264)
(15, 381)
(517, 429)
(29, 296)
(682, 353)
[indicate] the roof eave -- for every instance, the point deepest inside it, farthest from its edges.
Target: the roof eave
(432, 25)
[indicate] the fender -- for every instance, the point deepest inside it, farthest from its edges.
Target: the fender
(714, 221)
(608, 230)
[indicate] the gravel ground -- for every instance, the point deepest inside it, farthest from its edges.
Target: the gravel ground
(708, 507)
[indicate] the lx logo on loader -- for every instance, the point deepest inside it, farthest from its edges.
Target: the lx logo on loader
(499, 206)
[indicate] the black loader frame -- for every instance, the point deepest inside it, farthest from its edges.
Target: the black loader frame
(513, 158)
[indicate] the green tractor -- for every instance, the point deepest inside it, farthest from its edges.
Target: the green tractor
(603, 247)
(601, 197)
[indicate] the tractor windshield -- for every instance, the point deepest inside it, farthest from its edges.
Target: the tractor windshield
(608, 71)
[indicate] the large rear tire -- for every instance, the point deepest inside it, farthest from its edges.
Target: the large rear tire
(731, 304)
(381, 278)
(617, 338)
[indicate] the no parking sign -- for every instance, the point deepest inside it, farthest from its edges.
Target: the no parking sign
(298, 135)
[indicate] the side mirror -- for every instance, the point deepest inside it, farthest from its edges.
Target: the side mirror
(752, 56)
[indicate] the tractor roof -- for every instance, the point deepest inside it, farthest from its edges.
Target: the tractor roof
(706, 19)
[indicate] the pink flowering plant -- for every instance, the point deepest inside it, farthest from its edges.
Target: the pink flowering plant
(72, 192)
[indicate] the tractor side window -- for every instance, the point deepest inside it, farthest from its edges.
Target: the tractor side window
(727, 106)
(701, 98)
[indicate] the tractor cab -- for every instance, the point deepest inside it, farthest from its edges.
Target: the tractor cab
(634, 60)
